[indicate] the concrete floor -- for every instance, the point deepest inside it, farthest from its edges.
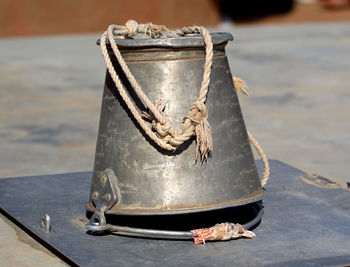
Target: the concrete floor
(51, 89)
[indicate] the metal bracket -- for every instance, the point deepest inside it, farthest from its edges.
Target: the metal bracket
(105, 195)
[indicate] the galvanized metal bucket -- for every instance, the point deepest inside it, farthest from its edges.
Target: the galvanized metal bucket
(132, 175)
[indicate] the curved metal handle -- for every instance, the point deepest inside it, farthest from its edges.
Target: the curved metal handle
(153, 233)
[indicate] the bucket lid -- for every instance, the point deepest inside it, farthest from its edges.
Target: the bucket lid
(195, 40)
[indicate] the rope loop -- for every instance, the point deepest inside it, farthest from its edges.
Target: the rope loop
(241, 86)
(196, 122)
(162, 133)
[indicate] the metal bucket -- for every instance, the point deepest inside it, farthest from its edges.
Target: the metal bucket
(132, 175)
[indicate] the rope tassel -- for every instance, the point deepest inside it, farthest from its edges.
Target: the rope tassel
(204, 140)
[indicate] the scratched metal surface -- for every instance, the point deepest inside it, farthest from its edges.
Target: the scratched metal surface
(303, 225)
(153, 180)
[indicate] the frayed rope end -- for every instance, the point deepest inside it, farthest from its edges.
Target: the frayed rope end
(204, 140)
(221, 231)
(240, 85)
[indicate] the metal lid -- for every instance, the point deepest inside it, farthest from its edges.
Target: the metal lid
(195, 40)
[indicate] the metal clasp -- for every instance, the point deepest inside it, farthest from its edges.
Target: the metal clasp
(105, 195)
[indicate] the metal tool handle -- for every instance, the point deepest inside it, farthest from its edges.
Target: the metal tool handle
(95, 227)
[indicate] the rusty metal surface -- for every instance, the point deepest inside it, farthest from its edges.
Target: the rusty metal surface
(303, 225)
(155, 181)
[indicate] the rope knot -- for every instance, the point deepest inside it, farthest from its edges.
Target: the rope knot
(198, 116)
(198, 111)
(163, 127)
(153, 31)
(132, 28)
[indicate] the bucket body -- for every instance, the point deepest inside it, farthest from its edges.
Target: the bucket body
(150, 180)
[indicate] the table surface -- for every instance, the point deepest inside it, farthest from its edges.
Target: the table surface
(298, 108)
(302, 225)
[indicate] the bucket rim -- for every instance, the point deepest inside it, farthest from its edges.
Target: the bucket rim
(195, 40)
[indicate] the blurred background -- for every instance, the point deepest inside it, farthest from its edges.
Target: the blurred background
(45, 17)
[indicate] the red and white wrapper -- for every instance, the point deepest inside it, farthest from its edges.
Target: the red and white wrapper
(221, 231)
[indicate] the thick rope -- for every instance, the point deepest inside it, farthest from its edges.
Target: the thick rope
(126, 98)
(263, 158)
(241, 86)
(195, 123)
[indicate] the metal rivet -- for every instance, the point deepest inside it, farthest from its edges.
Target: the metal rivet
(108, 197)
(103, 179)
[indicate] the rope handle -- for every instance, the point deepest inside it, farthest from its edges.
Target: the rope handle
(241, 86)
(195, 123)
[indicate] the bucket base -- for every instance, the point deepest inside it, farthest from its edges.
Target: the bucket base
(257, 196)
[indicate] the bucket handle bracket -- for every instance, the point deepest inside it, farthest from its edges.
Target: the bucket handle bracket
(105, 196)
